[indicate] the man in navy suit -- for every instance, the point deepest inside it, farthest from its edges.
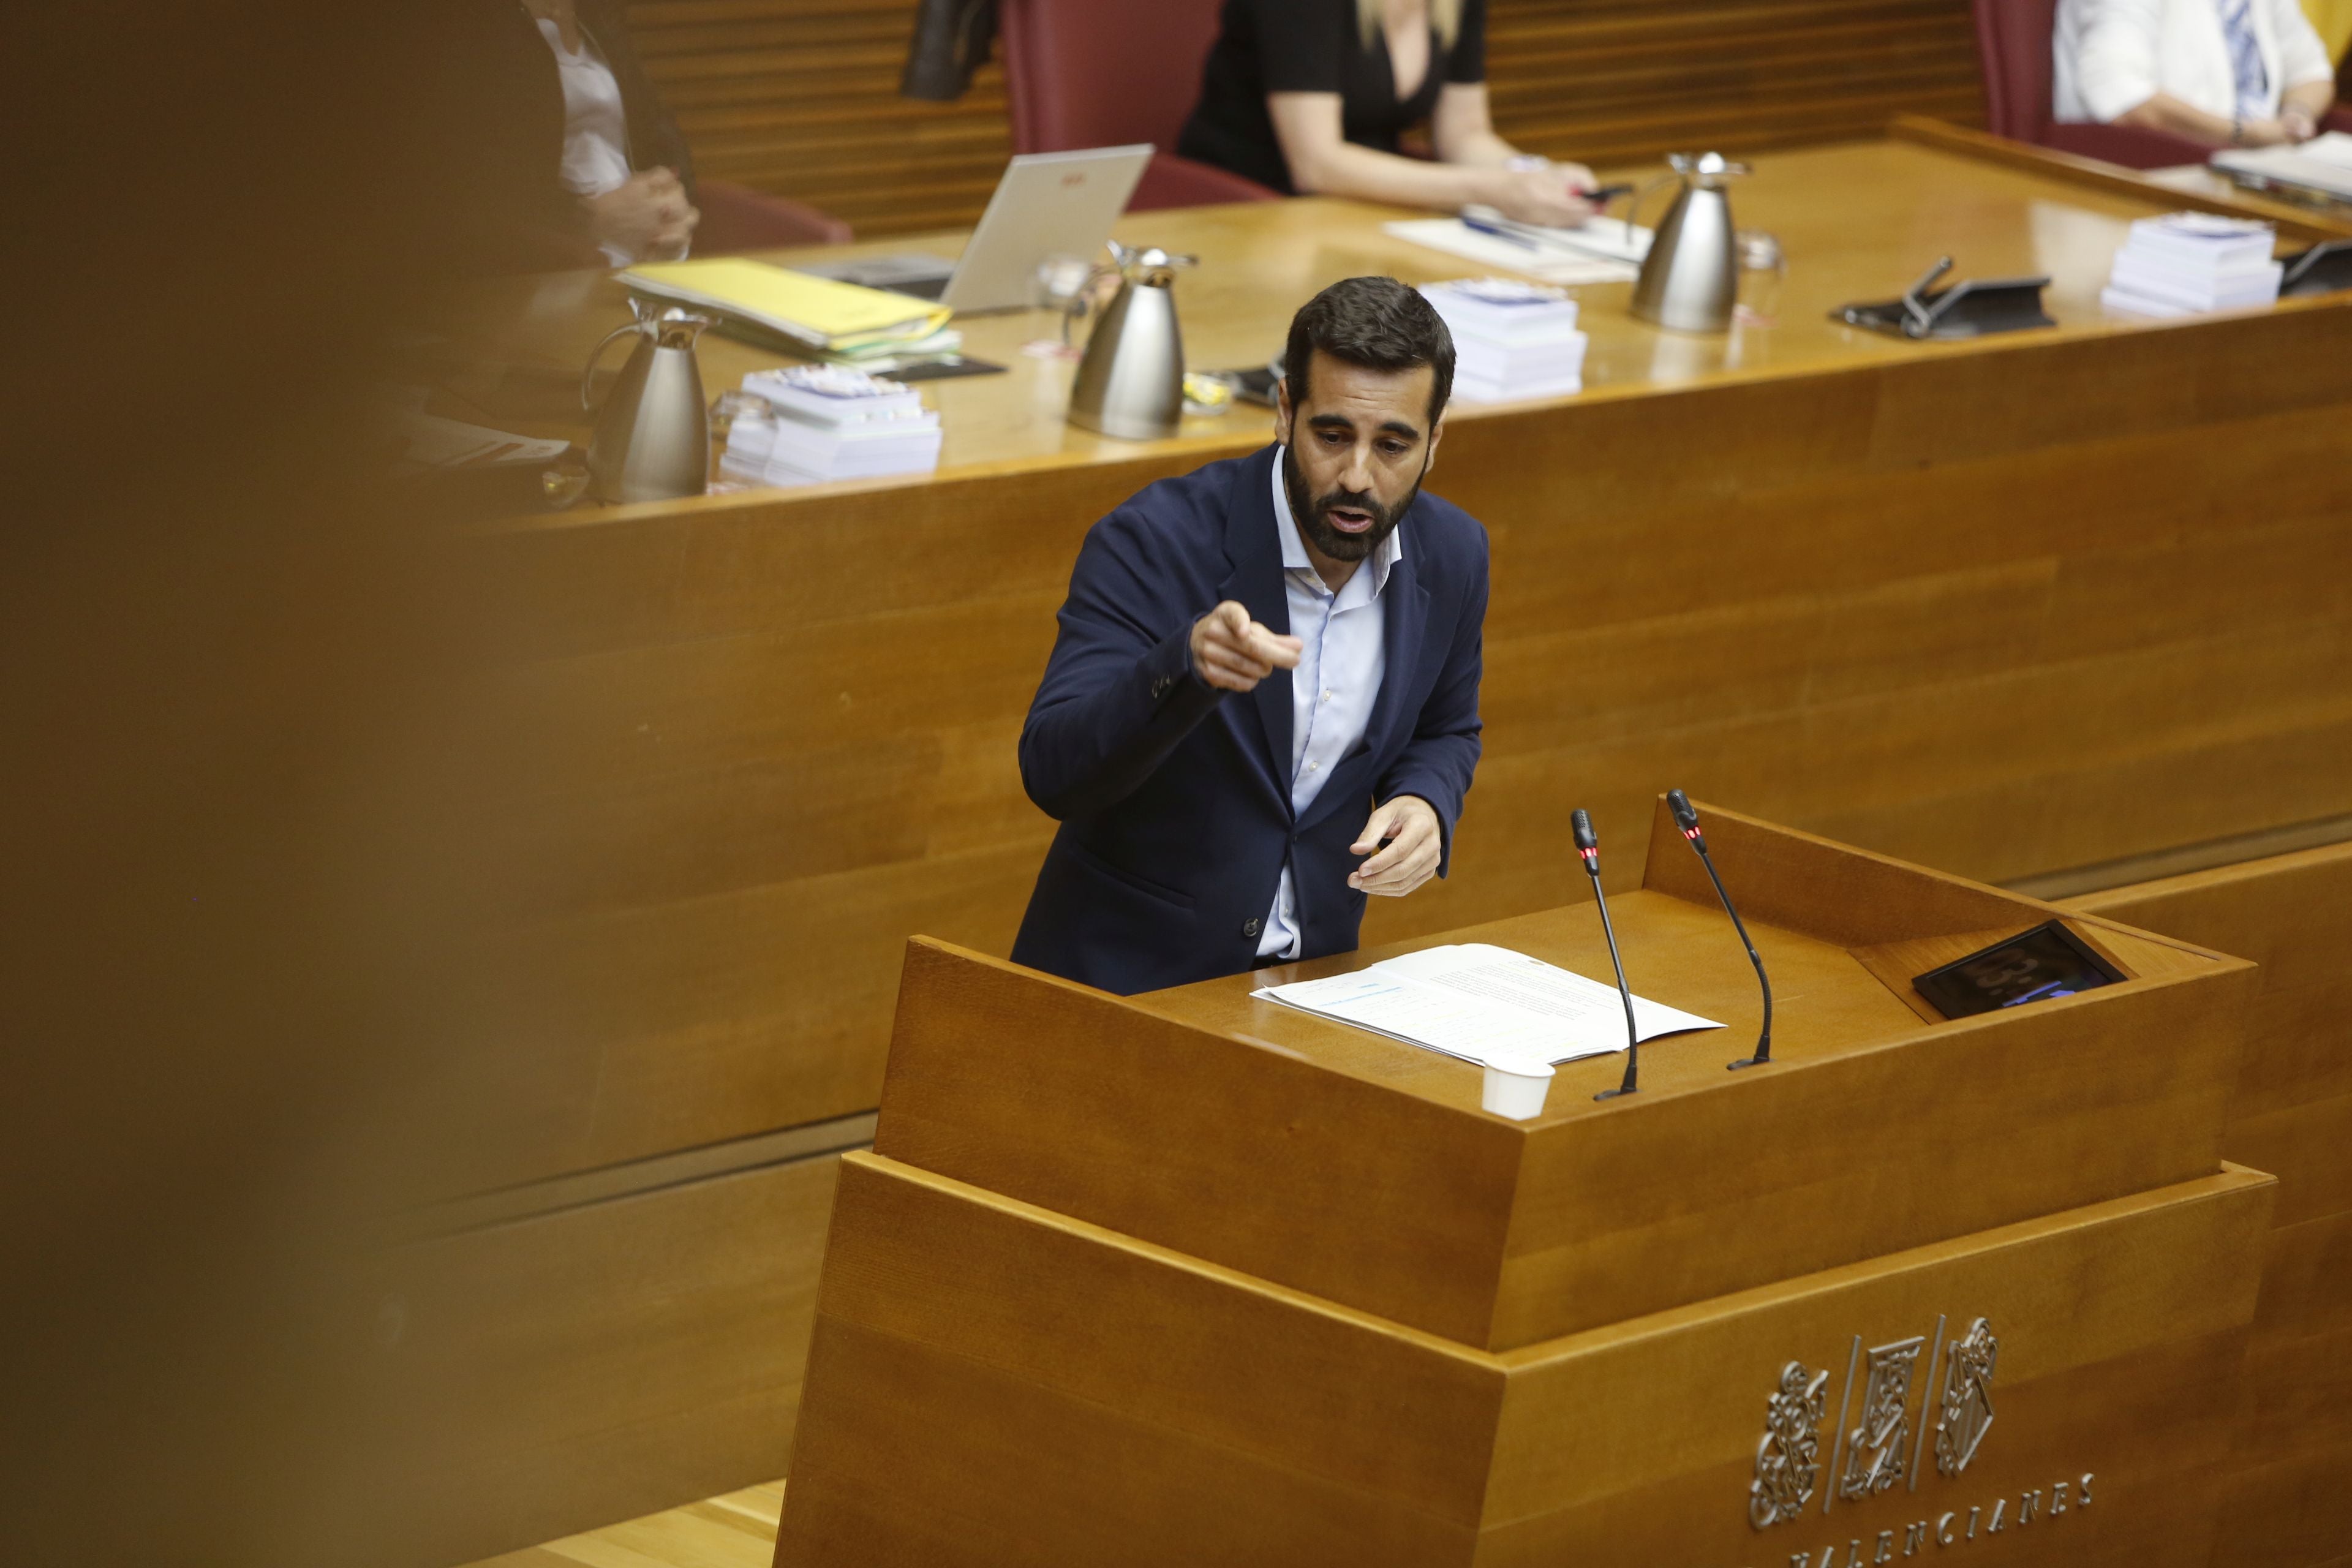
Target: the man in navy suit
(1263, 704)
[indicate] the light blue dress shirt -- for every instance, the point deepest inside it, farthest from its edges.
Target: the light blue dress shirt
(1344, 657)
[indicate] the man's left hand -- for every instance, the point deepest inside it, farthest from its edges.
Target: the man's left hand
(1410, 825)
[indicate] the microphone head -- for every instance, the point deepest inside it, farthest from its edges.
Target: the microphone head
(1580, 823)
(1685, 815)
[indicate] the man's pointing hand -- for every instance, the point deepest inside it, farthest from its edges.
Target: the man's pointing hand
(1233, 652)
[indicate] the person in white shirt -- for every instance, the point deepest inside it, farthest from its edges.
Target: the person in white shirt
(631, 214)
(2234, 73)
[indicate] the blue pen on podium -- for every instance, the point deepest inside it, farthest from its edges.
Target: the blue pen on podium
(1588, 850)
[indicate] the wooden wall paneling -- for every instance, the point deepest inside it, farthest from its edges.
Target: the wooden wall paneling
(608, 1359)
(2292, 913)
(1605, 83)
(2286, 1504)
(800, 98)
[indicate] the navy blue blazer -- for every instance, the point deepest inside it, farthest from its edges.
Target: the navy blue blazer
(1174, 795)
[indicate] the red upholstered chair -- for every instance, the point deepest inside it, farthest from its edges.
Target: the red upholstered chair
(1109, 73)
(737, 218)
(2013, 43)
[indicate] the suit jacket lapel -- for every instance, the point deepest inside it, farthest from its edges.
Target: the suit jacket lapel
(1256, 581)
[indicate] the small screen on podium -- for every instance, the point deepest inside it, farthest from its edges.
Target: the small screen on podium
(2032, 967)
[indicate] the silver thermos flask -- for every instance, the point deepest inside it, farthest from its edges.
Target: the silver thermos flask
(1690, 279)
(652, 440)
(1130, 382)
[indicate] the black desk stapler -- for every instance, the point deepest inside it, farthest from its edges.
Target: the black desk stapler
(1972, 310)
(2323, 270)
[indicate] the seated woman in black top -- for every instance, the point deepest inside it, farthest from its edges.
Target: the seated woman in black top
(1309, 96)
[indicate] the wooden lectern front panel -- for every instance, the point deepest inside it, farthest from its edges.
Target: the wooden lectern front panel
(995, 1384)
(1361, 1169)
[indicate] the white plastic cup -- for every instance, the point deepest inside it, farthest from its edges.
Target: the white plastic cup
(1517, 1090)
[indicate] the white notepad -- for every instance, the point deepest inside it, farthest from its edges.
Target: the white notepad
(1605, 251)
(1486, 1004)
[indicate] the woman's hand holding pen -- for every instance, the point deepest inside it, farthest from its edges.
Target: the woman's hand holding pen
(1554, 196)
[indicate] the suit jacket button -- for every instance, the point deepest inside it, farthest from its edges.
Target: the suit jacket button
(1252, 926)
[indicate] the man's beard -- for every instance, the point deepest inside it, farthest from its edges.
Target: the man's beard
(1315, 522)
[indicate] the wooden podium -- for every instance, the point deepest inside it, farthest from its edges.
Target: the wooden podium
(1189, 1277)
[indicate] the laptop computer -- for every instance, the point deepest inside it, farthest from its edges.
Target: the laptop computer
(1047, 204)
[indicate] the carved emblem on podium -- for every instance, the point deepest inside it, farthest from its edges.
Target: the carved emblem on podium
(1788, 1456)
(1968, 1398)
(1874, 1459)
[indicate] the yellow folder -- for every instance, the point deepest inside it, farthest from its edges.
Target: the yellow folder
(818, 311)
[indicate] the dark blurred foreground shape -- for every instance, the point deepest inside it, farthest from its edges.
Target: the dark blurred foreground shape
(236, 906)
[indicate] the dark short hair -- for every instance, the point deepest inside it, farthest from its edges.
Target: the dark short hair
(1377, 323)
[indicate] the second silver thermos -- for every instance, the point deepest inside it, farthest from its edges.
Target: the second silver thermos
(1130, 382)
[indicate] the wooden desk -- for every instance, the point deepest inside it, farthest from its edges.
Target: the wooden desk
(1857, 221)
(2008, 607)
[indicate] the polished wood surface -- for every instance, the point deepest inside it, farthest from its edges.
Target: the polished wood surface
(1205, 1120)
(2287, 1502)
(2192, 187)
(802, 98)
(995, 1384)
(2005, 608)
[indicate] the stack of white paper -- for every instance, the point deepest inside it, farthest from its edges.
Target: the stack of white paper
(1486, 1004)
(1511, 340)
(823, 422)
(2184, 263)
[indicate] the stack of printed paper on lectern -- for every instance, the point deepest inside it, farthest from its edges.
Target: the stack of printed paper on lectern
(2185, 263)
(1484, 1003)
(1511, 340)
(822, 422)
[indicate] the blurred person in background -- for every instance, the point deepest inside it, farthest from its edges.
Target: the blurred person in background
(2226, 73)
(1314, 97)
(595, 169)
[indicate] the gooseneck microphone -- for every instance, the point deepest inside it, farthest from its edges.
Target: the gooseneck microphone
(1687, 818)
(1588, 850)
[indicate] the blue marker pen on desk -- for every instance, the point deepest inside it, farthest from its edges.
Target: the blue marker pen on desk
(1485, 225)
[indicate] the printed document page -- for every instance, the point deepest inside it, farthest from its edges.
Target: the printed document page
(1484, 1004)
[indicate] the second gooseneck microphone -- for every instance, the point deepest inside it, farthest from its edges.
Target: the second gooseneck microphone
(1588, 850)
(1687, 818)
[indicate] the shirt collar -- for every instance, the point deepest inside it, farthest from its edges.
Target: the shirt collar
(1294, 544)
